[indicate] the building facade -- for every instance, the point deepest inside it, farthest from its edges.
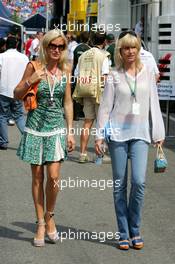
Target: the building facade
(114, 12)
(76, 18)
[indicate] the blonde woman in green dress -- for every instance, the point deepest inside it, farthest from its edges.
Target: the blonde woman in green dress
(43, 141)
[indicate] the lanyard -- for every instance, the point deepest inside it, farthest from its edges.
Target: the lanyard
(133, 91)
(51, 89)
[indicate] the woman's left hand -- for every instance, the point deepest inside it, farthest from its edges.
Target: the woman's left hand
(160, 143)
(70, 143)
(98, 146)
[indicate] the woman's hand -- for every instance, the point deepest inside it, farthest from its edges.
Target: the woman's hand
(70, 143)
(98, 146)
(36, 76)
(160, 143)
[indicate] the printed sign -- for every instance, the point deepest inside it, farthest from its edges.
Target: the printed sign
(166, 91)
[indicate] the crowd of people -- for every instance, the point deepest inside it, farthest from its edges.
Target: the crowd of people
(113, 86)
(25, 9)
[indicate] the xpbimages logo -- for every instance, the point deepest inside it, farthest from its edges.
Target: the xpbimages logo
(85, 235)
(90, 79)
(100, 184)
(109, 131)
(73, 27)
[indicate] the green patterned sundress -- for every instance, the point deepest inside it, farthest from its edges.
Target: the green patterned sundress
(44, 135)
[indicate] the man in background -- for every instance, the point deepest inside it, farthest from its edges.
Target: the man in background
(110, 42)
(2, 45)
(79, 50)
(139, 28)
(148, 59)
(72, 44)
(12, 66)
(10, 121)
(28, 45)
(34, 48)
(100, 64)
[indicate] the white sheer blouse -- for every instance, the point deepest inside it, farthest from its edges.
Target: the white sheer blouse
(115, 116)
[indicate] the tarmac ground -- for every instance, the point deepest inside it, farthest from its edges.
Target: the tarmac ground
(84, 215)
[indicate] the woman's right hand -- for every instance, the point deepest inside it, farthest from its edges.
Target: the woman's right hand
(98, 146)
(36, 76)
(30, 77)
(158, 143)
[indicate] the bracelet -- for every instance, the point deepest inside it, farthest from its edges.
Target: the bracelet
(28, 83)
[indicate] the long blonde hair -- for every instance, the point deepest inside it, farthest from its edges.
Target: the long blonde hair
(129, 40)
(48, 37)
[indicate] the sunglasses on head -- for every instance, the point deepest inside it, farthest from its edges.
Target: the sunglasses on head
(54, 46)
(124, 33)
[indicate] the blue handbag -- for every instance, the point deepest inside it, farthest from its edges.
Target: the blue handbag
(160, 163)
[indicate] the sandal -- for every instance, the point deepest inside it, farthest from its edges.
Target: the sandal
(39, 242)
(123, 244)
(137, 242)
(52, 236)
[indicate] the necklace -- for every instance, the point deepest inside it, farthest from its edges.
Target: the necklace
(51, 101)
(52, 74)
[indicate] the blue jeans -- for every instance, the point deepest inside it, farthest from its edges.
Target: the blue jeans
(128, 213)
(16, 108)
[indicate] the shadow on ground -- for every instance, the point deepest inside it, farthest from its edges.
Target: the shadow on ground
(64, 232)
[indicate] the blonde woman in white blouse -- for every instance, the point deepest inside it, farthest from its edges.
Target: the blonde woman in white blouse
(123, 118)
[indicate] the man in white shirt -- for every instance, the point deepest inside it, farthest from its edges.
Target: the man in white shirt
(139, 27)
(148, 60)
(34, 48)
(12, 66)
(72, 44)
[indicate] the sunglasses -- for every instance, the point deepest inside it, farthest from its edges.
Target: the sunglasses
(52, 46)
(124, 33)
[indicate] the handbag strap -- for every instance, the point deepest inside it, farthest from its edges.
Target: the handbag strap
(160, 152)
(36, 65)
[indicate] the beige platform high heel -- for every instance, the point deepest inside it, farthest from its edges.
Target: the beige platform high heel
(53, 236)
(39, 242)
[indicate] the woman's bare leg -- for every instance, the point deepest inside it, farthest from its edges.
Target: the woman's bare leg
(38, 197)
(52, 188)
